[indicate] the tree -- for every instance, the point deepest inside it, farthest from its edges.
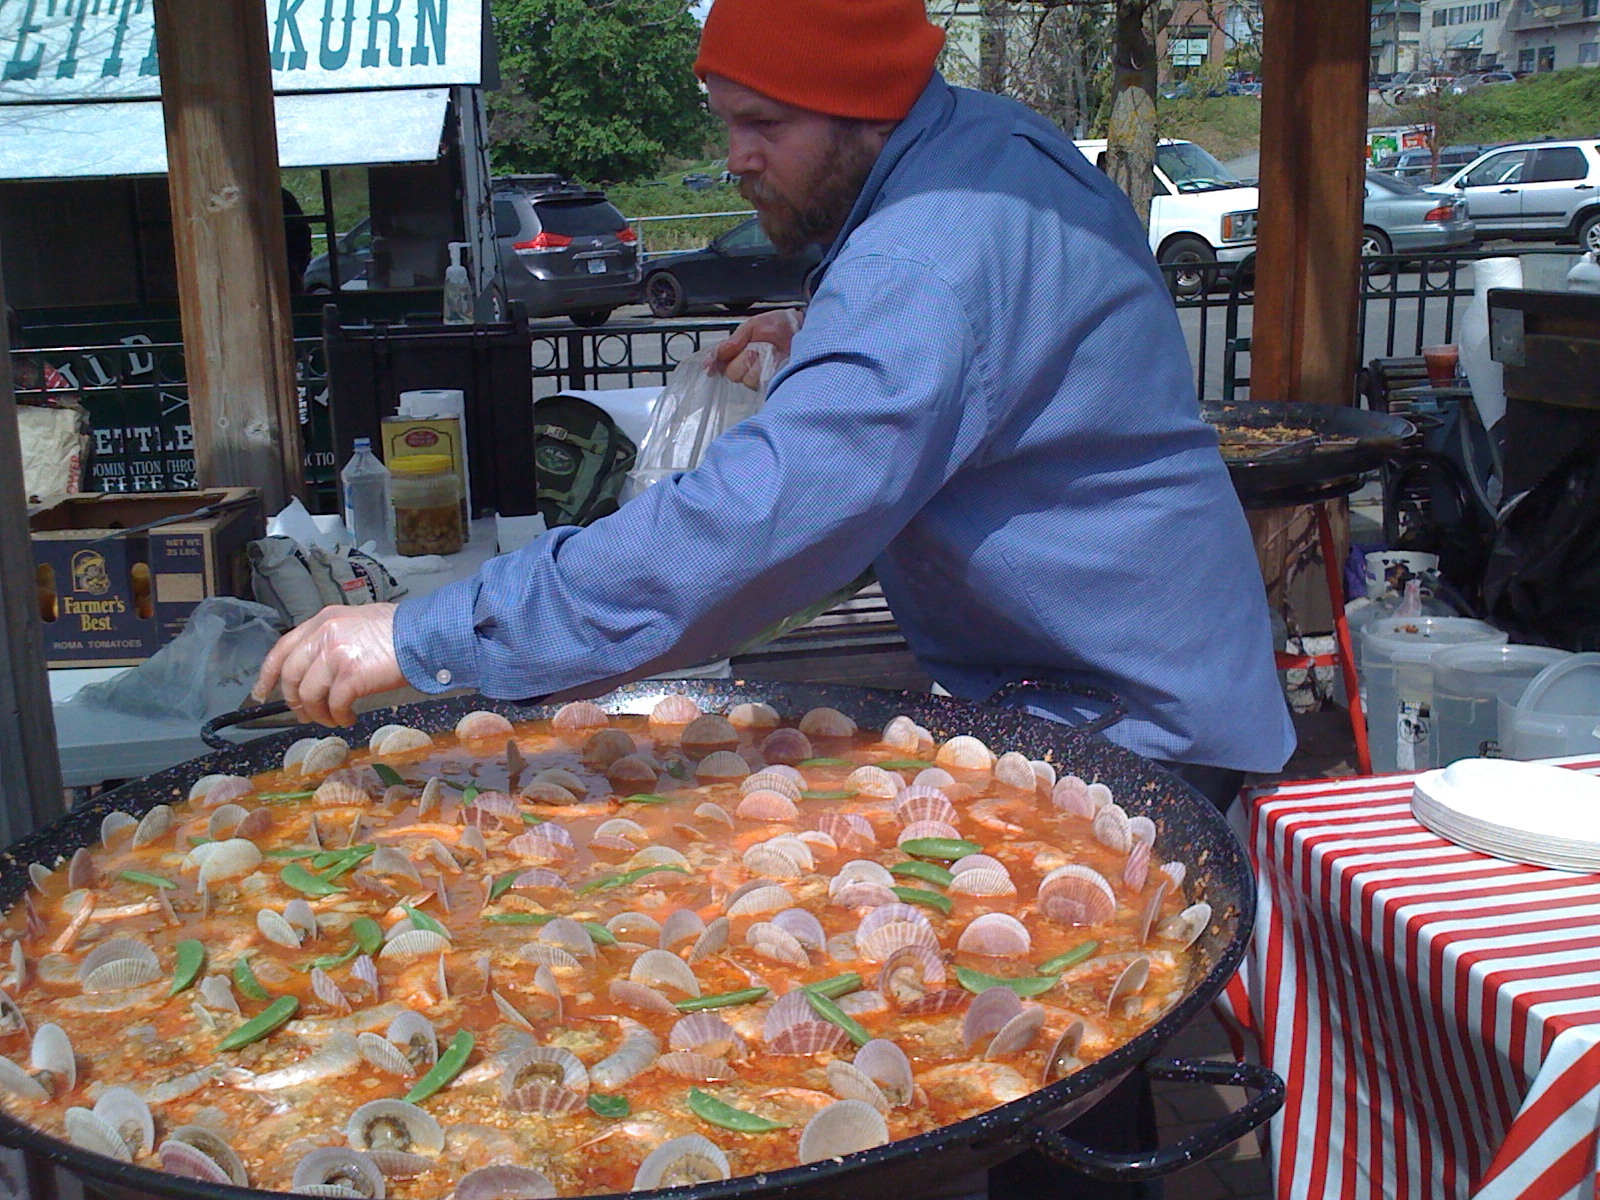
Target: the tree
(600, 90)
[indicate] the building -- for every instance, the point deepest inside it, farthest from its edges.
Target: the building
(1202, 33)
(1551, 35)
(1459, 38)
(1396, 36)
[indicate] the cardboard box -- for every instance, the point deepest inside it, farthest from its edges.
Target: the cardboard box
(430, 435)
(115, 603)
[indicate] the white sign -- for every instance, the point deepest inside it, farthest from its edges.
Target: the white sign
(1189, 52)
(57, 50)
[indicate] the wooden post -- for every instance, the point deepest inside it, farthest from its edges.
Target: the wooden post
(227, 224)
(30, 772)
(1303, 345)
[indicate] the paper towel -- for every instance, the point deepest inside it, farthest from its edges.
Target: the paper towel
(434, 402)
(1484, 374)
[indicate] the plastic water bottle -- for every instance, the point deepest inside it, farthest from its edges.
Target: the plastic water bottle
(457, 291)
(367, 513)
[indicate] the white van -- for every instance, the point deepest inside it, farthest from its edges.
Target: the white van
(1200, 214)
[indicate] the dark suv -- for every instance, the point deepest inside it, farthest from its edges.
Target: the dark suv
(564, 250)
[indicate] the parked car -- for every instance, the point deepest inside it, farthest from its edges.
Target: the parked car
(1417, 164)
(355, 256)
(1201, 213)
(737, 269)
(564, 250)
(1468, 83)
(1536, 189)
(1399, 217)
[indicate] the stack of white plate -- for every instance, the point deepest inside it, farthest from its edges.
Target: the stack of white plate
(1525, 812)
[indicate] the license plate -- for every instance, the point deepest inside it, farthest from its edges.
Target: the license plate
(597, 266)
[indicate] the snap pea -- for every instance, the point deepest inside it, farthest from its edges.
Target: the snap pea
(329, 961)
(838, 985)
(328, 858)
(823, 760)
(831, 1012)
(976, 982)
(1070, 958)
(285, 795)
(421, 920)
(678, 769)
(599, 933)
(144, 877)
(608, 1106)
(903, 764)
(302, 880)
(519, 918)
(353, 857)
(948, 849)
(191, 956)
(289, 852)
(831, 794)
(263, 1023)
(245, 980)
(447, 1068)
(926, 871)
(925, 898)
(469, 793)
(368, 934)
(198, 841)
(501, 885)
(722, 1000)
(627, 877)
(713, 1111)
(390, 777)
(647, 798)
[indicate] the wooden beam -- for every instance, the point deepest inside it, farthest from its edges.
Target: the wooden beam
(1303, 344)
(30, 772)
(227, 224)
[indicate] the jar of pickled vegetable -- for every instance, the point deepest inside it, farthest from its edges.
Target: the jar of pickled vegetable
(426, 494)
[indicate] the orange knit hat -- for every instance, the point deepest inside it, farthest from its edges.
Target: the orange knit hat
(847, 58)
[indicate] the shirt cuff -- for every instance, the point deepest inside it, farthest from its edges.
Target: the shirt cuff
(436, 641)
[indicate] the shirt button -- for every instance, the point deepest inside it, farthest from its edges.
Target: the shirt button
(443, 676)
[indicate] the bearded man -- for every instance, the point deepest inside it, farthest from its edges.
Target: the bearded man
(989, 400)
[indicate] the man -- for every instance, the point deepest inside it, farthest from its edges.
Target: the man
(989, 399)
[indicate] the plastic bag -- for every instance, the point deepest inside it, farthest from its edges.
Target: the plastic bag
(697, 407)
(206, 670)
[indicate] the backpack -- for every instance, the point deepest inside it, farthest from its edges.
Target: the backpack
(581, 460)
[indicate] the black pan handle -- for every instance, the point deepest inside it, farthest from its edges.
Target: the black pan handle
(211, 731)
(1116, 708)
(1133, 1168)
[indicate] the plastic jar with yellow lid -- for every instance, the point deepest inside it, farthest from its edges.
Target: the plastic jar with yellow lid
(427, 504)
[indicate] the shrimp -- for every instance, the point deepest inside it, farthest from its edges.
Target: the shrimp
(991, 814)
(975, 1083)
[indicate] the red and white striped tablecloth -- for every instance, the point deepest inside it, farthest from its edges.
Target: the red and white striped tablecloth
(1435, 1012)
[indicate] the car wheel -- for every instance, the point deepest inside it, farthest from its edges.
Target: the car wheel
(1191, 256)
(1589, 233)
(592, 318)
(664, 294)
(1374, 242)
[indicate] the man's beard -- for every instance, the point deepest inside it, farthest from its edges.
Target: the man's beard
(818, 212)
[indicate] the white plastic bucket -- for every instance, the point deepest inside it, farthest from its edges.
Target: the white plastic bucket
(1558, 714)
(1397, 670)
(1469, 684)
(1389, 570)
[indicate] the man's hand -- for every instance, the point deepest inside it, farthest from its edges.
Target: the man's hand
(738, 361)
(336, 657)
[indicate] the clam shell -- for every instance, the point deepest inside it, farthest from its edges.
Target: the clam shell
(683, 1160)
(19, 1083)
(125, 1111)
(988, 1014)
(848, 1082)
(809, 1037)
(862, 869)
(850, 832)
(605, 747)
(1176, 872)
(901, 734)
(225, 821)
(482, 724)
(786, 746)
(713, 814)
(91, 1132)
(768, 898)
(762, 859)
(351, 1170)
(580, 714)
(770, 781)
(231, 859)
(875, 781)
(1111, 829)
(402, 741)
(929, 805)
(154, 824)
(276, 930)
(634, 926)
(115, 823)
(883, 1062)
(394, 1125)
(224, 788)
(932, 777)
(664, 969)
(1187, 926)
(1017, 1034)
(844, 1127)
(982, 881)
(766, 806)
(966, 754)
(1137, 869)
(631, 994)
(52, 1052)
(753, 716)
(1014, 770)
(637, 1051)
(1071, 795)
(803, 926)
(995, 935)
(1132, 980)
(504, 1181)
(880, 943)
(1063, 1057)
(926, 829)
(682, 925)
(414, 943)
(196, 1152)
(378, 734)
(702, 1068)
(1076, 895)
(705, 1033)
(383, 1055)
(674, 710)
(1152, 909)
(325, 754)
(295, 754)
(712, 940)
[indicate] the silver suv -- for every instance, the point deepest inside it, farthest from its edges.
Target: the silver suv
(564, 250)
(1538, 190)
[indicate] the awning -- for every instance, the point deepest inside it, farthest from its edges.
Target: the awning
(1467, 40)
(316, 129)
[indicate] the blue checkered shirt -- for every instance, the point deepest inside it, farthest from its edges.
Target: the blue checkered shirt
(990, 401)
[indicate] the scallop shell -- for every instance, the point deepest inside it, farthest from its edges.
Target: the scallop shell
(630, 994)
(988, 1014)
(1111, 829)
(875, 781)
(504, 1181)
(216, 992)
(415, 943)
(910, 973)
(1187, 926)
(1076, 895)
(542, 791)
(553, 1064)
(972, 862)
(394, 1125)
(276, 930)
(351, 1172)
(154, 824)
(1063, 1057)
(995, 935)
(850, 832)
(482, 724)
(115, 823)
(636, 1052)
(384, 1055)
(1017, 1034)
(606, 844)
(295, 754)
(706, 1033)
(927, 804)
(882, 942)
(580, 714)
(339, 793)
(378, 734)
(849, 1082)
(1014, 770)
(1152, 909)
(817, 839)
(196, 1152)
(926, 829)
(808, 1037)
(1132, 980)
(827, 723)
(403, 741)
(80, 871)
(231, 859)
(325, 754)
(982, 881)
(1137, 869)
(709, 733)
(660, 967)
(766, 806)
(569, 935)
(119, 975)
(1044, 772)
(510, 1011)
(770, 781)
(803, 926)
(795, 847)
(762, 859)
(52, 1052)
(631, 772)
(933, 778)
(415, 1036)
(844, 1127)
(127, 1113)
(1071, 795)
(225, 820)
(660, 856)
(901, 734)
(786, 746)
(634, 926)
(721, 766)
(768, 898)
(113, 949)
(684, 1160)
(966, 754)
(779, 945)
(896, 911)
(1176, 872)
(535, 848)
(432, 797)
(198, 788)
(712, 940)
(606, 747)
(674, 710)
(553, 957)
(536, 878)
(396, 1164)
(681, 925)
(702, 1068)
(19, 1083)
(788, 1009)
(862, 869)
(753, 716)
(91, 1132)
(883, 1062)
(713, 814)
(864, 1003)
(1143, 830)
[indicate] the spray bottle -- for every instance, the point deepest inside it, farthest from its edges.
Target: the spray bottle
(457, 291)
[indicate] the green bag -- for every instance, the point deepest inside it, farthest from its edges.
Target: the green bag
(581, 460)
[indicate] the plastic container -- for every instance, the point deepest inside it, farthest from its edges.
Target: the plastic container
(1469, 684)
(1558, 714)
(1397, 673)
(427, 505)
(1585, 274)
(366, 498)
(457, 290)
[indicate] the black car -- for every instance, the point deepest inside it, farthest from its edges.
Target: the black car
(564, 250)
(738, 269)
(355, 256)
